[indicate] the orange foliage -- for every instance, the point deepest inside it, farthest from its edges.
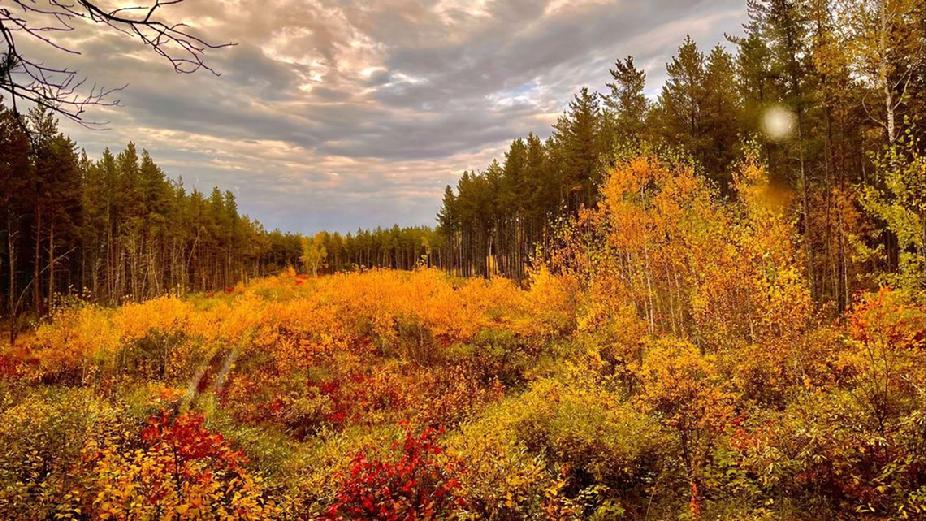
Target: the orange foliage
(720, 274)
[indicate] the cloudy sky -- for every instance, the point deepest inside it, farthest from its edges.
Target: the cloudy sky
(335, 114)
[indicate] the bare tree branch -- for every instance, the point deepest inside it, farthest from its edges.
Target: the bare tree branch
(61, 89)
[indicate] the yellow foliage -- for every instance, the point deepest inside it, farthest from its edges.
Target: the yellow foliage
(70, 346)
(720, 274)
(166, 315)
(297, 320)
(552, 302)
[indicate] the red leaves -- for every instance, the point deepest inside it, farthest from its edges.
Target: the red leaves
(354, 396)
(694, 502)
(187, 438)
(9, 367)
(340, 402)
(414, 486)
(182, 471)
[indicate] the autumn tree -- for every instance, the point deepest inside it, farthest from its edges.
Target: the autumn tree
(313, 253)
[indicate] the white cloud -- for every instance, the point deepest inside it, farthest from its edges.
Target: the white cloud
(345, 113)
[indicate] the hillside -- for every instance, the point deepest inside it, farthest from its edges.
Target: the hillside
(666, 364)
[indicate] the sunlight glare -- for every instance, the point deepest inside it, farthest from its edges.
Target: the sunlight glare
(778, 122)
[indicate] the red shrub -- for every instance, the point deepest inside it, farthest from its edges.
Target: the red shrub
(415, 486)
(888, 317)
(184, 471)
(9, 367)
(354, 397)
(186, 437)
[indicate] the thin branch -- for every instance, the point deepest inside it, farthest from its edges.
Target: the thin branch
(61, 89)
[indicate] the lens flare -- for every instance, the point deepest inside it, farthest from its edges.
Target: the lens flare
(778, 123)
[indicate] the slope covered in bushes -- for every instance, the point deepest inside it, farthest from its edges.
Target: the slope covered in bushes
(667, 363)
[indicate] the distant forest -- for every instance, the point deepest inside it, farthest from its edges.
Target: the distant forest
(117, 229)
(831, 94)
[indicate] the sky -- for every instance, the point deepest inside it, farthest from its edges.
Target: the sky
(339, 114)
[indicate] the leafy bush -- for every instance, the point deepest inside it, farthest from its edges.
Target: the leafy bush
(180, 470)
(42, 439)
(416, 485)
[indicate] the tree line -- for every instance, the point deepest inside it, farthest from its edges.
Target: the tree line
(118, 229)
(833, 93)
(113, 229)
(402, 248)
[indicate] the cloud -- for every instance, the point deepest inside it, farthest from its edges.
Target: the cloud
(344, 113)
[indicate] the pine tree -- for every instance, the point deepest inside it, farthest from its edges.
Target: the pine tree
(784, 25)
(680, 109)
(55, 203)
(626, 103)
(15, 168)
(720, 116)
(578, 134)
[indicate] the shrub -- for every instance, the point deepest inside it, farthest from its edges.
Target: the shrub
(416, 485)
(180, 470)
(566, 443)
(42, 438)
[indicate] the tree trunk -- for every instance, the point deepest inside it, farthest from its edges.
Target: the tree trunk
(890, 125)
(11, 263)
(37, 264)
(51, 267)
